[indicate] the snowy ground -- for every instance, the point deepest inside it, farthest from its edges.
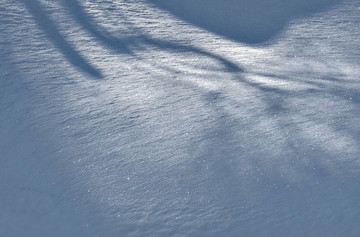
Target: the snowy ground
(179, 118)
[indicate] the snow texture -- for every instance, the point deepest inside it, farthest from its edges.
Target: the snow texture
(179, 118)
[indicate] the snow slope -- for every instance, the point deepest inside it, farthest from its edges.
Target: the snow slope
(136, 118)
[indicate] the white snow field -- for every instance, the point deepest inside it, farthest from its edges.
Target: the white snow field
(180, 118)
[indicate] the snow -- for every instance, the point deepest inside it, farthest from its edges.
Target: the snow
(179, 118)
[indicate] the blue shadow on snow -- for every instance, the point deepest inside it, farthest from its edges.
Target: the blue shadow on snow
(53, 34)
(246, 21)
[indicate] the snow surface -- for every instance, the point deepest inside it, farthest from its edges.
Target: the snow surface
(179, 118)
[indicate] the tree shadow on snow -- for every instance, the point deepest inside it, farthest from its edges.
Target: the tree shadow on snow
(125, 44)
(119, 45)
(247, 21)
(59, 41)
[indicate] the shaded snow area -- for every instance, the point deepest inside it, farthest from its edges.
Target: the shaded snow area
(180, 118)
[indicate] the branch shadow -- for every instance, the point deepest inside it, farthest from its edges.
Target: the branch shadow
(228, 65)
(53, 34)
(120, 45)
